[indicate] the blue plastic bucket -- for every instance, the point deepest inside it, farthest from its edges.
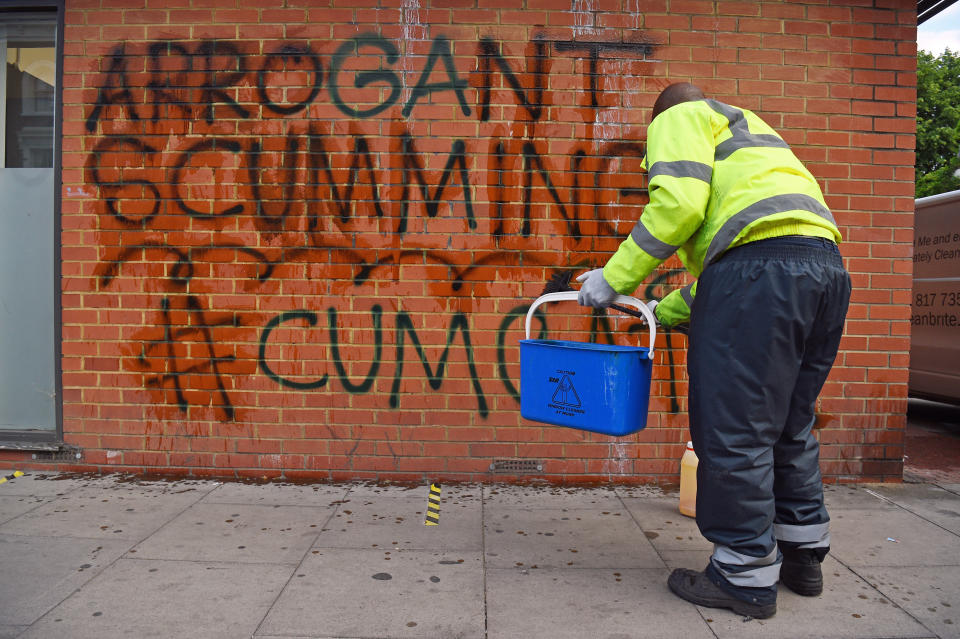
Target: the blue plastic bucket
(599, 388)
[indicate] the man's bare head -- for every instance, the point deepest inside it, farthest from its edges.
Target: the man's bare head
(676, 94)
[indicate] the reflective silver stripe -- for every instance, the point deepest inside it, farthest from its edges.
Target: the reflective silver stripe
(811, 536)
(757, 572)
(754, 578)
(740, 130)
(823, 543)
(687, 294)
(767, 206)
(682, 168)
(727, 147)
(727, 555)
(645, 240)
(738, 123)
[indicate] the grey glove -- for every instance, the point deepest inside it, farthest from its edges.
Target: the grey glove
(594, 290)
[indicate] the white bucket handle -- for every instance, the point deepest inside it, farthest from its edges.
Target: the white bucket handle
(571, 296)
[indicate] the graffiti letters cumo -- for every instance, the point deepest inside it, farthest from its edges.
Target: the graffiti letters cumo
(356, 218)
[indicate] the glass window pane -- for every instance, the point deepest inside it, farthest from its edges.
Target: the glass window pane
(27, 348)
(29, 86)
(28, 338)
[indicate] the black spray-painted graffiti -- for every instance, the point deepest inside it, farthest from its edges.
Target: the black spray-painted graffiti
(221, 65)
(290, 174)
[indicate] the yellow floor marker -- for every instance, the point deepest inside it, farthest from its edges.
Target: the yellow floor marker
(16, 473)
(433, 506)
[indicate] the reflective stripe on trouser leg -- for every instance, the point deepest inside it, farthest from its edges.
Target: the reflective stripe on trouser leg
(746, 571)
(813, 536)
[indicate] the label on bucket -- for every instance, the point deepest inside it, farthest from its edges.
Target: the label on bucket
(565, 399)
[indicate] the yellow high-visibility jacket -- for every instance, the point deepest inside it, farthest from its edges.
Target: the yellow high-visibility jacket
(718, 177)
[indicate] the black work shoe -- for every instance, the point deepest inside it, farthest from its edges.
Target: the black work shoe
(800, 571)
(697, 588)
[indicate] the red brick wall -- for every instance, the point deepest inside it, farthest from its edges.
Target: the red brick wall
(299, 242)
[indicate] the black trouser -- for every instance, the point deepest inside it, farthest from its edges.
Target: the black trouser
(764, 332)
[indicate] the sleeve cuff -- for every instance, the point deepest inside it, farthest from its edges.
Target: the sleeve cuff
(674, 308)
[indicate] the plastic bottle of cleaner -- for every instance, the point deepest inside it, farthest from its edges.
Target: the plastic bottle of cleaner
(688, 482)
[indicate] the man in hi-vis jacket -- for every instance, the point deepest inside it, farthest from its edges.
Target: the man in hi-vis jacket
(766, 315)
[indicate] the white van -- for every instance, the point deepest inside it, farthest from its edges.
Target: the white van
(935, 319)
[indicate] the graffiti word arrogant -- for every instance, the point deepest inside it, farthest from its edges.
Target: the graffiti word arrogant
(212, 68)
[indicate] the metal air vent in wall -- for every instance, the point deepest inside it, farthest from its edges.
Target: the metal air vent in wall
(515, 466)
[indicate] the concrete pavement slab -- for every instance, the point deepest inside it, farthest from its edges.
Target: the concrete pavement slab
(369, 490)
(276, 494)
(460, 492)
(237, 533)
(856, 497)
(561, 538)
(533, 497)
(15, 505)
(692, 559)
(930, 594)
(613, 604)
(890, 538)
(396, 518)
(138, 598)
(906, 493)
(849, 608)
(43, 484)
(105, 512)
(647, 492)
(40, 572)
(926, 500)
(627, 530)
(368, 593)
(664, 526)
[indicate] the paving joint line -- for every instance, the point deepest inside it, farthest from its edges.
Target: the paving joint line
(915, 514)
(306, 555)
(26, 512)
(48, 499)
(949, 490)
(483, 558)
(881, 593)
(214, 561)
(663, 561)
(94, 575)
